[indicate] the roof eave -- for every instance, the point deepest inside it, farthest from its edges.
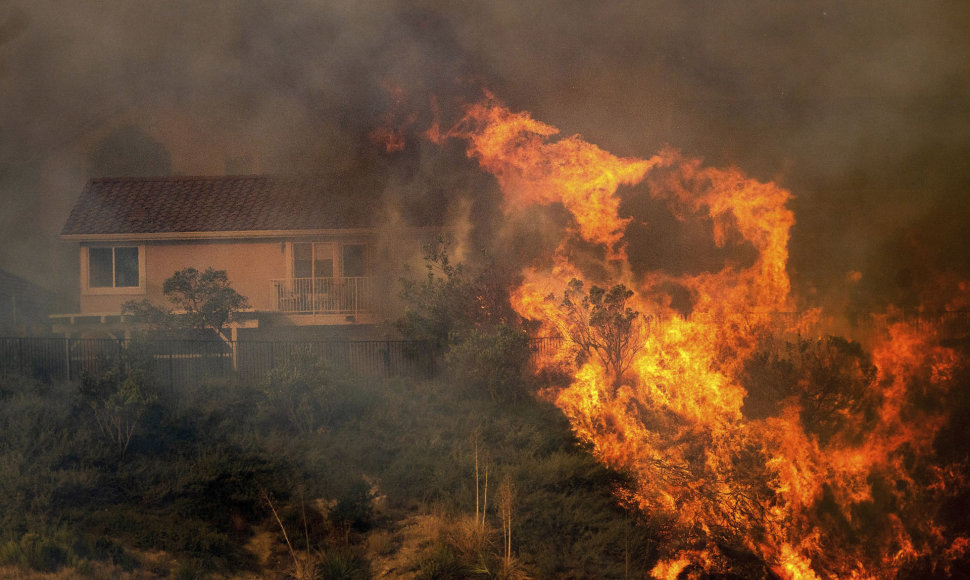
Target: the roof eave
(231, 235)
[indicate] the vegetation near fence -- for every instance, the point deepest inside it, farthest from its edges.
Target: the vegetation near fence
(307, 473)
(182, 362)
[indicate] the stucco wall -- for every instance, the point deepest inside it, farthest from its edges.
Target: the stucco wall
(249, 265)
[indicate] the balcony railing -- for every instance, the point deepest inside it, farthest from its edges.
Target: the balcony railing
(323, 295)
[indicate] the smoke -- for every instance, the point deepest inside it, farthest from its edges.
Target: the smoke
(858, 108)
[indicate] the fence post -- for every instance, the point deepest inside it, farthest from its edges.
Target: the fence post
(22, 363)
(387, 357)
(67, 356)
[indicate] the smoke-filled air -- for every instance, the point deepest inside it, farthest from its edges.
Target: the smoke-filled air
(744, 223)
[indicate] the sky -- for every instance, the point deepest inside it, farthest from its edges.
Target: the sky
(860, 108)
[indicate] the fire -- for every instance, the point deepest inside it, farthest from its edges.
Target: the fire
(534, 170)
(390, 135)
(825, 471)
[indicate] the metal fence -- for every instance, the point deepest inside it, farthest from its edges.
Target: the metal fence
(184, 362)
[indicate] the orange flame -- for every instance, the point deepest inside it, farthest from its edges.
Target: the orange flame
(794, 484)
(532, 169)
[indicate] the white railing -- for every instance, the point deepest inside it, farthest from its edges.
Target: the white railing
(323, 295)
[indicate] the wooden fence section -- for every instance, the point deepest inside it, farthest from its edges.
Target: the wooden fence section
(186, 362)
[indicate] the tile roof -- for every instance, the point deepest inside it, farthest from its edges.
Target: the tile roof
(155, 205)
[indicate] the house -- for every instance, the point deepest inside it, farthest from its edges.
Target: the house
(309, 253)
(23, 306)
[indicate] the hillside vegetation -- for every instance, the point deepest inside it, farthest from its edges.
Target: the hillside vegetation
(311, 474)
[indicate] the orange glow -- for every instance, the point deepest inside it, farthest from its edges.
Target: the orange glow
(390, 135)
(793, 482)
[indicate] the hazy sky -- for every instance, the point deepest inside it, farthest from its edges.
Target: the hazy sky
(861, 109)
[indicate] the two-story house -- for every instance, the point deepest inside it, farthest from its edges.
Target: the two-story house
(308, 253)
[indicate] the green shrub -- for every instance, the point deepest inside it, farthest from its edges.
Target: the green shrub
(37, 552)
(494, 362)
(191, 569)
(117, 398)
(442, 564)
(299, 392)
(342, 565)
(354, 508)
(453, 299)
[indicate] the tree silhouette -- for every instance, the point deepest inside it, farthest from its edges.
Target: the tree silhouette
(602, 325)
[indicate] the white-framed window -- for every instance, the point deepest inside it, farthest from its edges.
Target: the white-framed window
(113, 269)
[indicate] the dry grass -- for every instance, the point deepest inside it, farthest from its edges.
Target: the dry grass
(415, 536)
(94, 571)
(382, 543)
(467, 535)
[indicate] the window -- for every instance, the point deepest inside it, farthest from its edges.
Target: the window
(116, 267)
(313, 260)
(355, 260)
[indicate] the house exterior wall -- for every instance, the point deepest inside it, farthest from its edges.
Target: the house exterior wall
(250, 265)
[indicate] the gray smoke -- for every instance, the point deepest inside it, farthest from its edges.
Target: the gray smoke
(859, 108)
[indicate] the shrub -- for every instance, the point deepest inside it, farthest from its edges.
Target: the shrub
(354, 508)
(442, 564)
(342, 565)
(453, 299)
(493, 361)
(299, 392)
(42, 553)
(118, 398)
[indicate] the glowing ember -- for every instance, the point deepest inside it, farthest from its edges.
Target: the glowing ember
(811, 454)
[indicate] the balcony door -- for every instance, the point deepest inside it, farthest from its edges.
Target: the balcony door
(313, 270)
(314, 260)
(328, 278)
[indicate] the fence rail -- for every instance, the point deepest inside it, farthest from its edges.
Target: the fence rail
(184, 362)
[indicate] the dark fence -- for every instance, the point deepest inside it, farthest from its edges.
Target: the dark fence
(184, 362)
(545, 346)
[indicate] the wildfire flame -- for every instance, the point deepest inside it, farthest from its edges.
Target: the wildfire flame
(800, 483)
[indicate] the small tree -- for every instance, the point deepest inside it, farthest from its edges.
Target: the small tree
(206, 298)
(118, 398)
(300, 392)
(453, 300)
(466, 316)
(602, 324)
(494, 362)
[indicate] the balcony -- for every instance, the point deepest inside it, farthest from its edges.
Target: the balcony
(348, 296)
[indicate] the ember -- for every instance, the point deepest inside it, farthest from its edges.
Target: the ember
(811, 454)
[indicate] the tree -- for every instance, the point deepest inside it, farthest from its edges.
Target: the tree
(602, 324)
(466, 317)
(206, 300)
(451, 302)
(118, 398)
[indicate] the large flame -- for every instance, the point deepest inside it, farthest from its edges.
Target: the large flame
(826, 480)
